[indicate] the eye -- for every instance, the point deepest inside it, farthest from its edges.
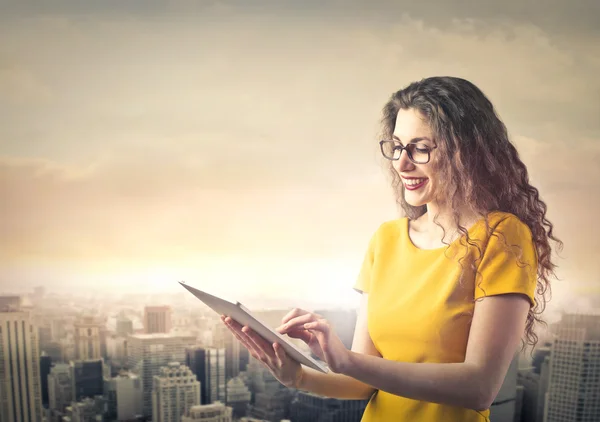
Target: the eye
(421, 148)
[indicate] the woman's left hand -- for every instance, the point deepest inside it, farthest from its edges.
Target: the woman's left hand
(335, 353)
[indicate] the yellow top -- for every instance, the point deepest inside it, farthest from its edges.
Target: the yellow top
(419, 311)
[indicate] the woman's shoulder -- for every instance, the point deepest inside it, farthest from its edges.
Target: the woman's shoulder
(508, 224)
(391, 227)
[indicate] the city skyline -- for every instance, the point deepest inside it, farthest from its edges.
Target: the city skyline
(198, 368)
(235, 147)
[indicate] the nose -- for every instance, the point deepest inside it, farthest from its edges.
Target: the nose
(403, 163)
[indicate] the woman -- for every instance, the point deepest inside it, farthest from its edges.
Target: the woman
(447, 291)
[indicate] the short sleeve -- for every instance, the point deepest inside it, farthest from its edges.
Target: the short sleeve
(363, 282)
(509, 267)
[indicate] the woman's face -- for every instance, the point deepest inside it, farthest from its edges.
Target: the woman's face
(418, 179)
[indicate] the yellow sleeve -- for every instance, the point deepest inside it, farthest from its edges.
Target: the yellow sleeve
(363, 282)
(510, 267)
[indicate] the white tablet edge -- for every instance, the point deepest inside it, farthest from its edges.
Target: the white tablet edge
(319, 366)
(314, 363)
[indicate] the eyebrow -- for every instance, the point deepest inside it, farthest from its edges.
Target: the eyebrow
(414, 140)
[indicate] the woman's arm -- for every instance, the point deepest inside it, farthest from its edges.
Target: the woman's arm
(498, 324)
(338, 385)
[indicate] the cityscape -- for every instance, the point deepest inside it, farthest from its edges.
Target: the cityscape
(233, 144)
(64, 358)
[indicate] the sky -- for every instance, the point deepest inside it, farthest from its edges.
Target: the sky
(233, 144)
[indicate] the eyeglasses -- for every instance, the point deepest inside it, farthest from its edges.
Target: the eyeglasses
(417, 153)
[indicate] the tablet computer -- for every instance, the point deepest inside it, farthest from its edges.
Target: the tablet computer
(242, 315)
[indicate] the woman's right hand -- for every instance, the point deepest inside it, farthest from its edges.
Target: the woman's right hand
(285, 369)
(300, 316)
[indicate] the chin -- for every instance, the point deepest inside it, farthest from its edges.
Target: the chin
(415, 200)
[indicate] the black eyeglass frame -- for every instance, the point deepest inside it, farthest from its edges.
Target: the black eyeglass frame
(398, 146)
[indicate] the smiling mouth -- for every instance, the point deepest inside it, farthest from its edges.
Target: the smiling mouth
(414, 184)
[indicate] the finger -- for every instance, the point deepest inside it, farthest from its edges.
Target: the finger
(234, 326)
(255, 350)
(303, 335)
(319, 325)
(297, 322)
(244, 337)
(260, 343)
(247, 345)
(240, 336)
(282, 357)
(230, 321)
(293, 314)
(321, 331)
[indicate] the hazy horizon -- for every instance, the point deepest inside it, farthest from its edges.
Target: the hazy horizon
(236, 145)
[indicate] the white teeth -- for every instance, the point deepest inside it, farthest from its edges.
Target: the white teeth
(413, 182)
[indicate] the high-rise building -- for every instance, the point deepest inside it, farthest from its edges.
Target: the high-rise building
(504, 406)
(124, 326)
(224, 339)
(10, 303)
(88, 339)
(58, 328)
(271, 399)
(157, 319)
(44, 335)
(124, 397)
(116, 351)
(175, 391)
(519, 403)
(307, 406)
(535, 385)
(238, 397)
(20, 381)
(271, 405)
(209, 367)
(216, 412)
(60, 389)
(87, 378)
(89, 409)
(574, 383)
(147, 353)
(45, 366)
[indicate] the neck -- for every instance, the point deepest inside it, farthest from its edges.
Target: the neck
(439, 215)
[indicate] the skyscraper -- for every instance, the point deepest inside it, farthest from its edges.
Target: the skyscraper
(157, 319)
(88, 339)
(123, 396)
(124, 326)
(45, 365)
(574, 383)
(209, 367)
(149, 352)
(238, 397)
(224, 339)
(308, 406)
(20, 386)
(87, 378)
(175, 391)
(216, 412)
(60, 389)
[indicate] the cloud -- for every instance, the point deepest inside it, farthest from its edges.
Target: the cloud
(20, 86)
(166, 135)
(143, 209)
(558, 17)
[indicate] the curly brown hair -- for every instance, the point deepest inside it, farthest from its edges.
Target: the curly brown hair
(467, 129)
